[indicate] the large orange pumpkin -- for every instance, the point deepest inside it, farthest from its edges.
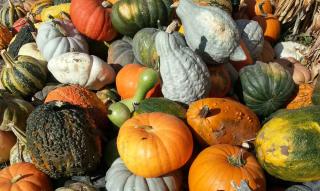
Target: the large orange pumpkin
(222, 121)
(258, 7)
(82, 97)
(302, 98)
(23, 177)
(127, 81)
(5, 37)
(270, 25)
(220, 81)
(154, 144)
(216, 167)
(92, 18)
(7, 141)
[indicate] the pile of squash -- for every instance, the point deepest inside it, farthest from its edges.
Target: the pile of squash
(157, 95)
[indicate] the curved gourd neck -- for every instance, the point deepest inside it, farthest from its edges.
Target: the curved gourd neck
(21, 136)
(8, 60)
(10, 3)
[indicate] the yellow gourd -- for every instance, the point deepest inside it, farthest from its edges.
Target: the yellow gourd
(55, 11)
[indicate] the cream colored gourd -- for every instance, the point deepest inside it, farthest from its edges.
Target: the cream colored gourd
(209, 31)
(252, 34)
(80, 68)
(185, 77)
(31, 49)
(56, 37)
(19, 152)
(290, 49)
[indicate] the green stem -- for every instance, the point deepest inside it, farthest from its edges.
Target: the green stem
(10, 3)
(19, 134)
(204, 111)
(16, 178)
(7, 59)
(58, 26)
(237, 160)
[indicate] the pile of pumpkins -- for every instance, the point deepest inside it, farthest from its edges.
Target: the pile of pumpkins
(154, 95)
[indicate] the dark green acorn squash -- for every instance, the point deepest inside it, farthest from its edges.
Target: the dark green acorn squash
(24, 76)
(129, 16)
(10, 13)
(266, 87)
(61, 139)
(58, 2)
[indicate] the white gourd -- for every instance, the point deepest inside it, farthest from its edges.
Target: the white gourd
(290, 49)
(31, 49)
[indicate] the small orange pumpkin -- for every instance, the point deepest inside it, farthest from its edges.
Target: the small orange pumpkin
(302, 98)
(220, 81)
(154, 144)
(216, 167)
(24, 177)
(258, 7)
(222, 121)
(270, 25)
(127, 81)
(7, 141)
(5, 37)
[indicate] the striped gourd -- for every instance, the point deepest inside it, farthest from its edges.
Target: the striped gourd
(10, 13)
(38, 6)
(23, 76)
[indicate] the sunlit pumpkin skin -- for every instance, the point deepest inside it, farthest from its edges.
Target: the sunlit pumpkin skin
(82, 97)
(5, 37)
(154, 144)
(270, 25)
(287, 146)
(23, 177)
(7, 141)
(217, 166)
(129, 16)
(127, 81)
(303, 98)
(92, 18)
(222, 121)
(220, 81)
(258, 7)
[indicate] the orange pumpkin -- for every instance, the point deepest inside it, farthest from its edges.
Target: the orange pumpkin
(242, 63)
(258, 7)
(267, 54)
(7, 141)
(302, 98)
(222, 121)
(82, 97)
(270, 25)
(23, 177)
(154, 144)
(216, 167)
(5, 37)
(220, 81)
(127, 81)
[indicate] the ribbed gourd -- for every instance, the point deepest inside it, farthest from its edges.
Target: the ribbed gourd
(266, 87)
(209, 31)
(61, 139)
(10, 13)
(24, 76)
(185, 76)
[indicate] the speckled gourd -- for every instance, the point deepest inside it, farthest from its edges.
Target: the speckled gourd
(185, 77)
(209, 31)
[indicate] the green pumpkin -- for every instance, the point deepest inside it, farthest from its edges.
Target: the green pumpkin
(58, 2)
(288, 145)
(160, 105)
(129, 16)
(61, 139)
(13, 110)
(24, 76)
(266, 87)
(10, 13)
(144, 47)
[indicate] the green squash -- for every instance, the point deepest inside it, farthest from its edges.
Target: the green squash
(129, 16)
(24, 76)
(288, 145)
(61, 139)
(10, 13)
(160, 105)
(13, 110)
(144, 47)
(58, 2)
(266, 87)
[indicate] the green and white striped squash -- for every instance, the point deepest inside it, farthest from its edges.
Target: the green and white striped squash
(10, 13)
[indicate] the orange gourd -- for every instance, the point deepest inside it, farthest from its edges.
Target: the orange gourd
(302, 98)
(82, 97)
(270, 25)
(5, 37)
(24, 177)
(220, 81)
(7, 141)
(216, 167)
(258, 7)
(222, 121)
(154, 144)
(127, 81)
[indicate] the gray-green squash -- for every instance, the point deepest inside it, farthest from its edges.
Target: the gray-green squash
(209, 31)
(119, 178)
(185, 77)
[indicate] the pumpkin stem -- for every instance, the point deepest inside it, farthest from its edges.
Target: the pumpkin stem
(16, 178)
(18, 133)
(172, 26)
(65, 16)
(238, 160)
(58, 26)
(145, 127)
(106, 43)
(106, 4)
(7, 59)
(204, 111)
